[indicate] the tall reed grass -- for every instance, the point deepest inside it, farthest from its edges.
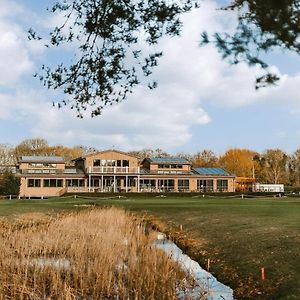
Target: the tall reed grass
(96, 254)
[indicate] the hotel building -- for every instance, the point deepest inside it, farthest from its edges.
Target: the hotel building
(117, 171)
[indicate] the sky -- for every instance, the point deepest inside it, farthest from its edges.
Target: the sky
(201, 101)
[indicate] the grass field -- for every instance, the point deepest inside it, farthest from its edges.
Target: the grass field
(239, 236)
(93, 254)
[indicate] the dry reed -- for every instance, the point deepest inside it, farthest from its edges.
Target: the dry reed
(97, 254)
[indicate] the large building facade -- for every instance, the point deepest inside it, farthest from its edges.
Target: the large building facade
(117, 171)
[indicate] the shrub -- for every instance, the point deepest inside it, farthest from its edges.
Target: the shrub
(9, 184)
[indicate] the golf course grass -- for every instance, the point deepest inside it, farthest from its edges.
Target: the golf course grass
(238, 236)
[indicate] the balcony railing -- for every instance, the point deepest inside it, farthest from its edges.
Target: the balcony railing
(42, 171)
(113, 170)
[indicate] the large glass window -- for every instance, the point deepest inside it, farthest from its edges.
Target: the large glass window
(95, 182)
(125, 163)
(75, 182)
(53, 182)
(166, 184)
(205, 185)
(106, 162)
(147, 184)
(183, 185)
(34, 183)
(96, 162)
(222, 185)
(132, 182)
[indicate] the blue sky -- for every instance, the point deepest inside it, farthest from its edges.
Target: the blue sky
(201, 101)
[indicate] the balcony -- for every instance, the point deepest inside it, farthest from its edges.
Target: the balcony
(113, 170)
(42, 171)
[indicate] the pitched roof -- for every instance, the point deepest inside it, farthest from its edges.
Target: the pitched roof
(168, 160)
(211, 171)
(42, 159)
(104, 151)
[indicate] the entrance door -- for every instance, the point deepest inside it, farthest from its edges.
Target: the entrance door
(108, 184)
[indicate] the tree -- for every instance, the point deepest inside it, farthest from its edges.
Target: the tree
(9, 184)
(274, 166)
(205, 158)
(39, 146)
(294, 168)
(67, 153)
(263, 25)
(113, 35)
(6, 156)
(238, 161)
(141, 154)
(36, 146)
(187, 156)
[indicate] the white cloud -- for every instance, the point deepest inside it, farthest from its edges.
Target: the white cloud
(188, 77)
(14, 57)
(142, 121)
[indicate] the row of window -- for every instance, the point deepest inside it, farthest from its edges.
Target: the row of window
(110, 163)
(167, 184)
(55, 182)
(44, 165)
(95, 182)
(184, 184)
(164, 166)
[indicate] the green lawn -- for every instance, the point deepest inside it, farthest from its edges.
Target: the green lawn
(238, 235)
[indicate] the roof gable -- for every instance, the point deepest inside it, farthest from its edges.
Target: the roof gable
(105, 151)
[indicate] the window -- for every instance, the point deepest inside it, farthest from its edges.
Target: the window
(132, 182)
(95, 182)
(205, 185)
(164, 166)
(119, 163)
(34, 183)
(110, 163)
(222, 185)
(42, 165)
(177, 166)
(183, 184)
(53, 182)
(125, 163)
(75, 182)
(96, 163)
(36, 165)
(107, 162)
(166, 184)
(147, 183)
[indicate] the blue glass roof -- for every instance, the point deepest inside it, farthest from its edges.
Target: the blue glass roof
(211, 171)
(169, 160)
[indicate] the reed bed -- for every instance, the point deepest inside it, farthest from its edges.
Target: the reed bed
(96, 254)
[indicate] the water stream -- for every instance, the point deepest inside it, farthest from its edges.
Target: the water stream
(208, 287)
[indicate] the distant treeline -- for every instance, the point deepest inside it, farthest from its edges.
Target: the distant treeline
(270, 166)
